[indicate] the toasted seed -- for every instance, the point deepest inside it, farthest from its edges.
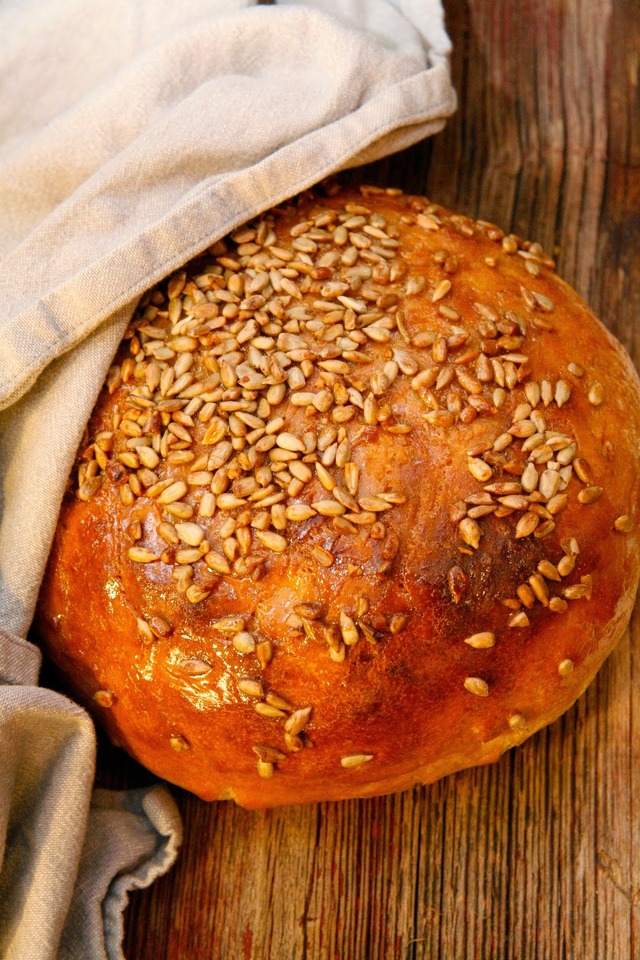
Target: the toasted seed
(351, 475)
(519, 619)
(197, 593)
(173, 493)
(288, 441)
(348, 629)
(516, 721)
(325, 477)
(563, 392)
(532, 393)
(441, 290)
(145, 631)
(546, 392)
(587, 581)
(179, 743)
(590, 494)
(243, 642)
(502, 442)
(276, 701)
(398, 622)
(104, 698)
(523, 429)
(565, 667)
(477, 686)
(181, 511)
(264, 653)
(269, 711)
(297, 721)
(566, 565)
(265, 769)
(142, 555)
(529, 478)
(565, 455)
(540, 589)
(364, 519)
(374, 504)
(481, 641)
(570, 547)
(526, 525)
(577, 591)
(329, 508)
(297, 512)
(526, 595)
(148, 457)
(250, 688)
(425, 379)
(187, 555)
(557, 503)
(300, 470)
(217, 562)
(515, 502)
(293, 743)
(623, 524)
(479, 469)
(324, 557)
(547, 569)
(582, 469)
(549, 483)
(308, 610)
(470, 532)
(351, 760)
(160, 626)
(596, 394)
(272, 541)
(194, 667)
(190, 533)
(558, 605)
(266, 752)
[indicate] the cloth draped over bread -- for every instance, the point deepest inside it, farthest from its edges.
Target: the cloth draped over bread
(132, 136)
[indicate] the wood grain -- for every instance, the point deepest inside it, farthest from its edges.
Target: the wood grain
(538, 857)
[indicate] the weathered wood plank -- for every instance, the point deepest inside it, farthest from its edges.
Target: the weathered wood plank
(538, 857)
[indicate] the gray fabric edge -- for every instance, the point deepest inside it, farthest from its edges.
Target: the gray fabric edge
(19, 660)
(160, 810)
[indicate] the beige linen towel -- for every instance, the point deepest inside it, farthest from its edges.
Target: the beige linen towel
(132, 135)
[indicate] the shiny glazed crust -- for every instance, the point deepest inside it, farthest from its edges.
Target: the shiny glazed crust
(357, 507)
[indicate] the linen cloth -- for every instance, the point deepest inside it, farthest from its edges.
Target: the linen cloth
(132, 136)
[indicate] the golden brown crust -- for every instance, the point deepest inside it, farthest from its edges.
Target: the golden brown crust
(466, 435)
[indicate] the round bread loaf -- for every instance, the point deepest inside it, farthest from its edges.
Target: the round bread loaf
(357, 506)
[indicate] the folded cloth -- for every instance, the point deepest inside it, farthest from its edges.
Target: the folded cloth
(132, 136)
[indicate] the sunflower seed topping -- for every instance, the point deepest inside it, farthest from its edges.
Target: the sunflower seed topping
(104, 698)
(477, 686)
(249, 388)
(596, 394)
(516, 721)
(141, 555)
(265, 769)
(179, 743)
(481, 641)
(623, 524)
(352, 760)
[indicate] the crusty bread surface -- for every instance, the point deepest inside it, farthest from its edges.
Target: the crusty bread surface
(357, 506)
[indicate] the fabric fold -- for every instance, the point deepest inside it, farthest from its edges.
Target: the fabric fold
(47, 755)
(133, 837)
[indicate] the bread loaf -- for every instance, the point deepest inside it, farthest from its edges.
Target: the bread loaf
(357, 506)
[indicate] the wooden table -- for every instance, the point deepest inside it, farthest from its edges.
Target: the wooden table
(538, 857)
